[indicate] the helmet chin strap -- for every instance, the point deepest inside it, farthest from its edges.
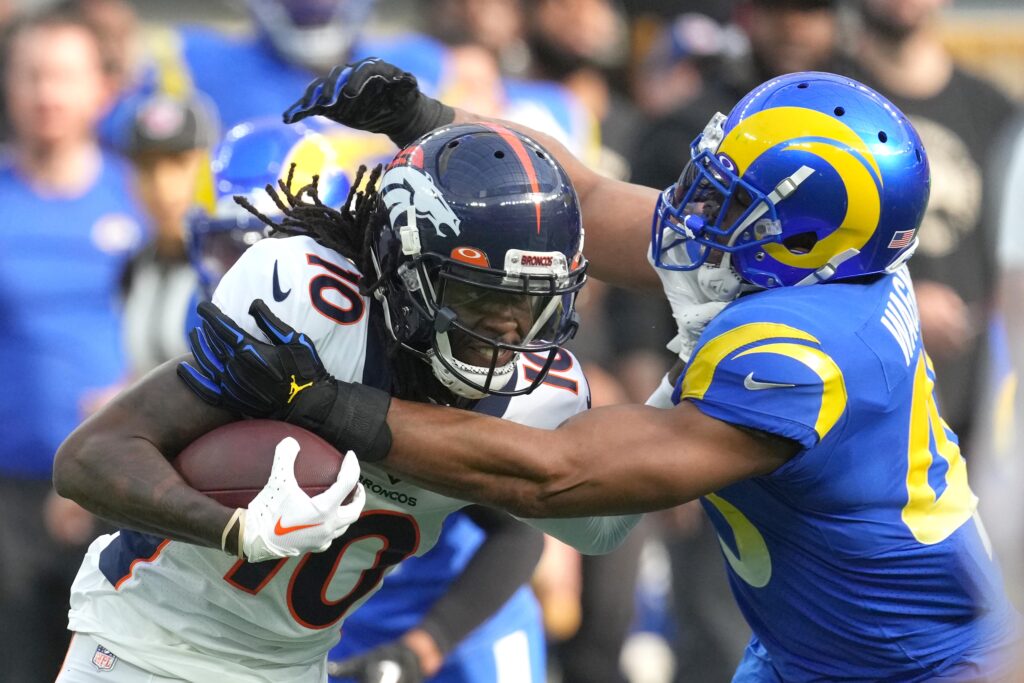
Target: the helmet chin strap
(827, 271)
(456, 382)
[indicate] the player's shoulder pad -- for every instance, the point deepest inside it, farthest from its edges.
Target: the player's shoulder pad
(762, 365)
(309, 286)
(563, 393)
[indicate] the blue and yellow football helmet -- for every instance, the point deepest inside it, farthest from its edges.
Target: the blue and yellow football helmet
(811, 177)
(252, 155)
(316, 34)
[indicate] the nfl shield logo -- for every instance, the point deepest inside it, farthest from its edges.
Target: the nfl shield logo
(103, 659)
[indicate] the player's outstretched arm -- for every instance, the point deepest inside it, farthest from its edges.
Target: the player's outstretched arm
(379, 97)
(607, 461)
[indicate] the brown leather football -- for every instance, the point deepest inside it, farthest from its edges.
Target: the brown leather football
(232, 463)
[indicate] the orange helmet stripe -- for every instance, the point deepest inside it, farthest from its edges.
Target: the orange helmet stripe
(524, 158)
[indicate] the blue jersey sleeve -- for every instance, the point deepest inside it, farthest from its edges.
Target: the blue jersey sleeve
(771, 376)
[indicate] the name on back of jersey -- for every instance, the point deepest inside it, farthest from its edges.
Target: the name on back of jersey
(900, 316)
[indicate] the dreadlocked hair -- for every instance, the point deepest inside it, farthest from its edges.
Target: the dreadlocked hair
(346, 230)
(350, 231)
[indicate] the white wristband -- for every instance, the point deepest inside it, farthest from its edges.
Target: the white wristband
(662, 396)
(239, 517)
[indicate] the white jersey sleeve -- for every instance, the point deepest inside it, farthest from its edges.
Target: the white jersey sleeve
(311, 288)
(563, 394)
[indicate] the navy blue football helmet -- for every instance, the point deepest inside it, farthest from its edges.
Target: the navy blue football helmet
(252, 155)
(470, 218)
(811, 177)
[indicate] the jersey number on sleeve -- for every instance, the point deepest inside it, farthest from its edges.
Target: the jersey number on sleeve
(399, 536)
(556, 377)
(939, 499)
(341, 283)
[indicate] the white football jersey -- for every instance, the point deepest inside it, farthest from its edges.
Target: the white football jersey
(195, 613)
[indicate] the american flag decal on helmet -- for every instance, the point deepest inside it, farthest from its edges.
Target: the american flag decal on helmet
(901, 238)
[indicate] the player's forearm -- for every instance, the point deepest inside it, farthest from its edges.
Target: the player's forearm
(115, 467)
(616, 215)
(131, 485)
(593, 464)
(419, 451)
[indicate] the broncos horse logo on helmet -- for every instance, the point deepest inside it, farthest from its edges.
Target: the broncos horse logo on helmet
(811, 177)
(471, 216)
(408, 188)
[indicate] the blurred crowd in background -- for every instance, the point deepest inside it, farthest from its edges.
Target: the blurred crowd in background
(112, 109)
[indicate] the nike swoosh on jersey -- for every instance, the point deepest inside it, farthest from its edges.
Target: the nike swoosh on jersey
(750, 383)
(283, 530)
(278, 294)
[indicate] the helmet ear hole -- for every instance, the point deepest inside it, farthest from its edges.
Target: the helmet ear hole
(800, 243)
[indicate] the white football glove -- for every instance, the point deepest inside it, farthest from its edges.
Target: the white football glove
(283, 521)
(692, 308)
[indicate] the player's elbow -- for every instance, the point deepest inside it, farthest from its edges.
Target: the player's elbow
(71, 463)
(527, 503)
(548, 490)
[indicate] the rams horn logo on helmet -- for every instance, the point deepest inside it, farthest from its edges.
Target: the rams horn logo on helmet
(837, 145)
(405, 186)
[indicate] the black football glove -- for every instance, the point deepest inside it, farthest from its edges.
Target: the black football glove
(375, 96)
(390, 663)
(283, 380)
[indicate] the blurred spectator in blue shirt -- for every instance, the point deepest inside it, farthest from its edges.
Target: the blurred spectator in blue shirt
(67, 227)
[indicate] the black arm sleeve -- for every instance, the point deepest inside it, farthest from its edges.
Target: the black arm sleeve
(502, 563)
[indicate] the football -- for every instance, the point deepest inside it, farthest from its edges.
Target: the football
(232, 463)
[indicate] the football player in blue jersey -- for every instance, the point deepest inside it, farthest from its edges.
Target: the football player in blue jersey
(804, 418)
(460, 613)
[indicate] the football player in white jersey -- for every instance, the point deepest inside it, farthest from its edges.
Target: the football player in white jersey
(453, 283)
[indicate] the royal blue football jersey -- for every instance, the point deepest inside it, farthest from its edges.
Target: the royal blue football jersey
(861, 558)
(61, 261)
